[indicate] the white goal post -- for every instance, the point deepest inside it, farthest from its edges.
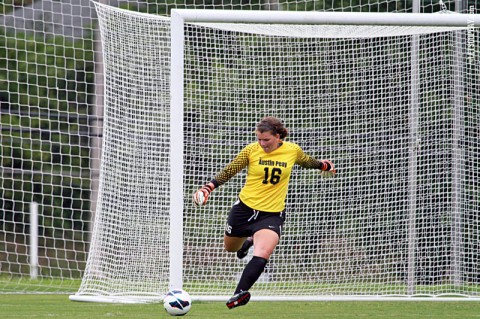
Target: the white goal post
(391, 98)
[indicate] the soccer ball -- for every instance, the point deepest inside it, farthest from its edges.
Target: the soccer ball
(177, 302)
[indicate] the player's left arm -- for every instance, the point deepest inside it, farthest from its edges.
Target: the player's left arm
(308, 161)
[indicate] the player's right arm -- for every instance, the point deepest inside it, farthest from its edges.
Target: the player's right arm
(200, 197)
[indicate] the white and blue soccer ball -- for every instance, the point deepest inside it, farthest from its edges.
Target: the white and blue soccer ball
(177, 302)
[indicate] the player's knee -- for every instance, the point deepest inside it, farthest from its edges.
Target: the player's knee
(231, 248)
(263, 252)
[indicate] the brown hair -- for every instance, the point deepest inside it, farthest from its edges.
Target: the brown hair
(272, 124)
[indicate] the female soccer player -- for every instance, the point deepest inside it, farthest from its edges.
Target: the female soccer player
(256, 218)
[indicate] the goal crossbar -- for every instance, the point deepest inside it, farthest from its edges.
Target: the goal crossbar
(334, 18)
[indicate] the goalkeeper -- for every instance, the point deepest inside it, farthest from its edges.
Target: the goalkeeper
(256, 218)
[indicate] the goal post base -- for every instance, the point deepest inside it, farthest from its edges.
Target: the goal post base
(116, 299)
(157, 299)
(361, 298)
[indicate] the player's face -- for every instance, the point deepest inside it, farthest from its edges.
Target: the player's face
(268, 141)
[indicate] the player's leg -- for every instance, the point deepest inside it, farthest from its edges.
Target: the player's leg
(241, 245)
(265, 242)
(266, 229)
(243, 251)
(233, 244)
(238, 226)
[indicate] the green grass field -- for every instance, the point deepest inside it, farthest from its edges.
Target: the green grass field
(59, 306)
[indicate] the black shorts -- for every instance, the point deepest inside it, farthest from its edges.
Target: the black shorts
(244, 221)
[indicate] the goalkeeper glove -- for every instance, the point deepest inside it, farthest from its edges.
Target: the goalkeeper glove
(328, 168)
(201, 196)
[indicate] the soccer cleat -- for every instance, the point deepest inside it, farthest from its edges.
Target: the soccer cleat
(243, 252)
(240, 299)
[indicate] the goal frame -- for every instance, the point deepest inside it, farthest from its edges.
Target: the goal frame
(181, 16)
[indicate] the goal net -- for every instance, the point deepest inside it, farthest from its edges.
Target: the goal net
(394, 106)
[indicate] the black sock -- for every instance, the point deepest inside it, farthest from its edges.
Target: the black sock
(247, 244)
(251, 273)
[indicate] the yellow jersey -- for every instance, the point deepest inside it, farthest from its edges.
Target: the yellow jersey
(268, 174)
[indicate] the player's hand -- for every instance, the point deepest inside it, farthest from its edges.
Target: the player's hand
(201, 196)
(328, 169)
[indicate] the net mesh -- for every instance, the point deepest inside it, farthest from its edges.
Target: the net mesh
(129, 251)
(348, 100)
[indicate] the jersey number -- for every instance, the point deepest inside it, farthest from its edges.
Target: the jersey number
(274, 177)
